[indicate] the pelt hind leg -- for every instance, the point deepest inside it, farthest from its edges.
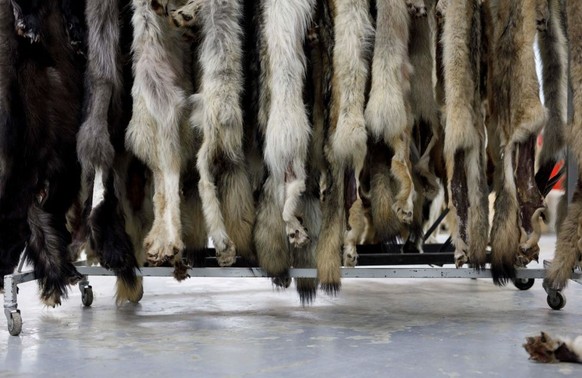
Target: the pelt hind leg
(531, 202)
(163, 242)
(401, 169)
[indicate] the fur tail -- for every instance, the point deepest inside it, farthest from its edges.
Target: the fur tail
(47, 252)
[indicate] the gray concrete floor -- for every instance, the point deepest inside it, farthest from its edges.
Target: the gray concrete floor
(216, 327)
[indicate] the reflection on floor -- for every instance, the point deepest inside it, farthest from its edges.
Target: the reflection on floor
(207, 327)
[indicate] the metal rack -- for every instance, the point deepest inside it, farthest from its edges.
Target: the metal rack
(383, 263)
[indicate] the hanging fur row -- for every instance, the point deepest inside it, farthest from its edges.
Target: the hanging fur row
(285, 132)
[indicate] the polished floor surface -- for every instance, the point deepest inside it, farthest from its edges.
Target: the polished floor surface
(242, 327)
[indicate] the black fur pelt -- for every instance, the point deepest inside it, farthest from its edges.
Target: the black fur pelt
(40, 112)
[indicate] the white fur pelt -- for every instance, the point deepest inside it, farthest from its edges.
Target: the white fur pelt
(519, 115)
(224, 184)
(568, 252)
(464, 145)
(288, 130)
(158, 132)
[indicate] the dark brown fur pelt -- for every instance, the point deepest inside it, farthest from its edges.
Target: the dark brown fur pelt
(41, 93)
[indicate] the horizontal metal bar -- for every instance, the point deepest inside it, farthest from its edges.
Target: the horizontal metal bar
(357, 272)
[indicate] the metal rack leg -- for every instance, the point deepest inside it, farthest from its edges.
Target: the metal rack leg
(86, 292)
(11, 310)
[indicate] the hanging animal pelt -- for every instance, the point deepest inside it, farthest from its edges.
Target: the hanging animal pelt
(464, 145)
(568, 252)
(100, 143)
(288, 210)
(224, 185)
(345, 147)
(41, 98)
(518, 115)
(553, 48)
(159, 133)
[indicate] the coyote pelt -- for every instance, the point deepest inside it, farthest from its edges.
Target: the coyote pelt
(568, 252)
(553, 47)
(548, 349)
(158, 132)
(224, 185)
(518, 116)
(347, 136)
(464, 144)
(388, 117)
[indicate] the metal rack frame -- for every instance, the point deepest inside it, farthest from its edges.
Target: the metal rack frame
(525, 277)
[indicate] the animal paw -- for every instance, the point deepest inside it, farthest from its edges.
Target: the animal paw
(350, 256)
(225, 252)
(283, 281)
(298, 236)
(180, 270)
(51, 299)
(460, 259)
(187, 16)
(416, 8)
(158, 250)
(403, 211)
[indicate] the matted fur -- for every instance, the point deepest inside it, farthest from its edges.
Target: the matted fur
(568, 252)
(158, 132)
(464, 144)
(40, 113)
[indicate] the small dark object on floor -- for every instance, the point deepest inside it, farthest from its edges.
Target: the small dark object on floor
(546, 349)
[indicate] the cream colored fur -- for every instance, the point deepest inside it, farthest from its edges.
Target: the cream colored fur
(158, 132)
(224, 185)
(388, 116)
(288, 131)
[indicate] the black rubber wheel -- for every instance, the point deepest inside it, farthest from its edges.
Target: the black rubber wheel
(524, 283)
(15, 323)
(556, 300)
(87, 296)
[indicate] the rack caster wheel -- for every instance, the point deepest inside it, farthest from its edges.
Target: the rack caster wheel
(14, 322)
(87, 295)
(556, 300)
(523, 283)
